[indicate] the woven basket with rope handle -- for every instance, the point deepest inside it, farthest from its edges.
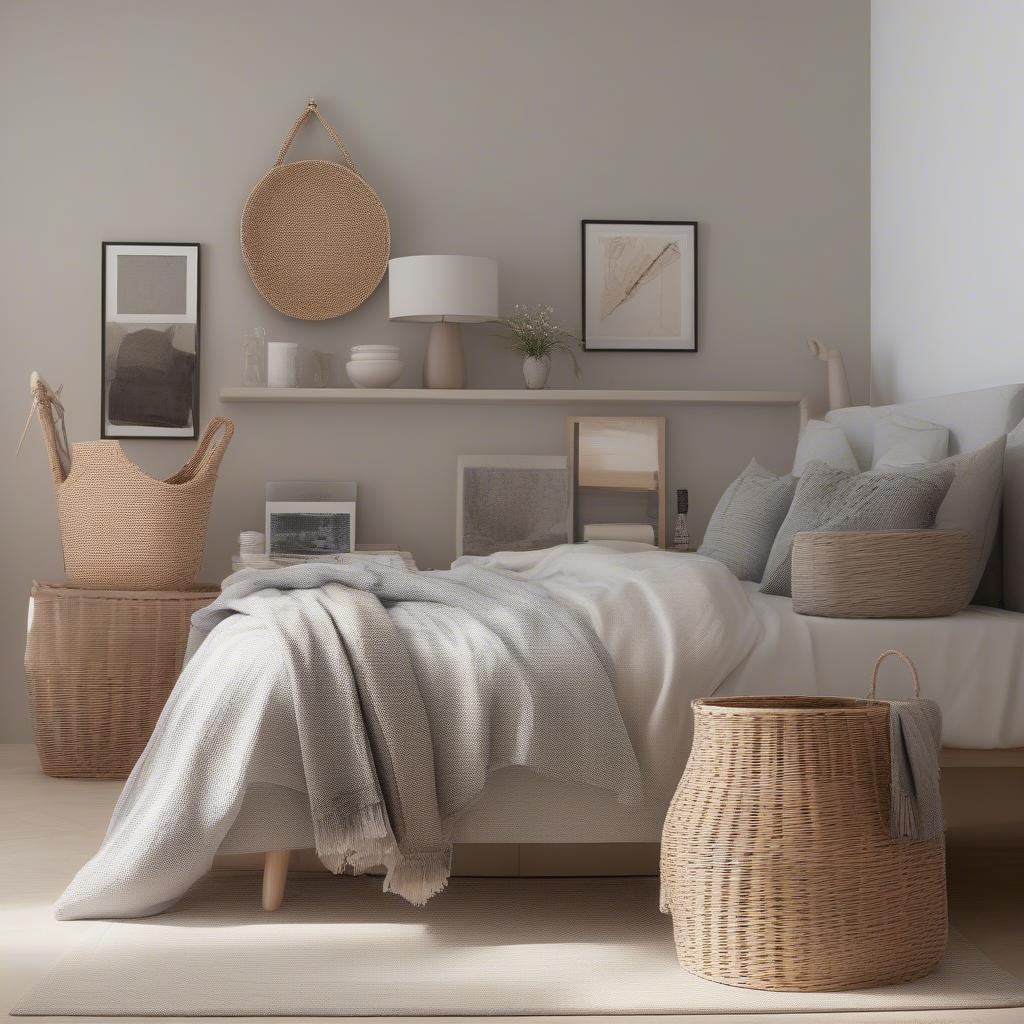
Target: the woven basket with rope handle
(121, 528)
(315, 235)
(776, 860)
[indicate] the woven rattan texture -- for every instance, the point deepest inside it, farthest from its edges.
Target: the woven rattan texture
(891, 574)
(315, 235)
(123, 529)
(776, 863)
(99, 666)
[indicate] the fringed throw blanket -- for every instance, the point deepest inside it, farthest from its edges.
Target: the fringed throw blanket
(915, 740)
(407, 690)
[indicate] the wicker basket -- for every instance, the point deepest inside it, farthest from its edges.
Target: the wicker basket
(99, 666)
(120, 527)
(315, 236)
(776, 862)
(890, 574)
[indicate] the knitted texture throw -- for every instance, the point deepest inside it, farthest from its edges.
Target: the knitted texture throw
(399, 728)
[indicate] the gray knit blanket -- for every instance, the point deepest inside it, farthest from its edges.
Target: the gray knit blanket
(915, 741)
(381, 792)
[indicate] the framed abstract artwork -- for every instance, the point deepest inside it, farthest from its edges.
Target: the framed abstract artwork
(150, 340)
(511, 503)
(639, 285)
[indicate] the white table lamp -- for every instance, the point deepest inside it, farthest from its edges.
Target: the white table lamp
(445, 291)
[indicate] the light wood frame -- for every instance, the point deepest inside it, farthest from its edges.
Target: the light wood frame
(572, 425)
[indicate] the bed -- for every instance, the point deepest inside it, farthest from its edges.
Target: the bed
(676, 627)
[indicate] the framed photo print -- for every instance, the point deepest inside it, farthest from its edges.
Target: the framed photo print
(640, 285)
(150, 340)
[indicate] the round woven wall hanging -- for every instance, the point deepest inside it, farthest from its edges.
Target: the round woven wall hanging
(315, 236)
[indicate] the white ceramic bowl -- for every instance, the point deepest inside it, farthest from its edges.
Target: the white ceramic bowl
(388, 350)
(361, 357)
(374, 373)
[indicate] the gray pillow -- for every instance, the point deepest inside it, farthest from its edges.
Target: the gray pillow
(746, 519)
(829, 499)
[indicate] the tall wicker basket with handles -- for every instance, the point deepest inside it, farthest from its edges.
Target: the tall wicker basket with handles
(776, 860)
(99, 666)
(121, 528)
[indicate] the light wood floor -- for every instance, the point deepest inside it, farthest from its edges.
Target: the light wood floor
(49, 827)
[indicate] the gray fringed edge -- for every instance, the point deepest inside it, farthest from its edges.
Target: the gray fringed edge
(364, 840)
(417, 879)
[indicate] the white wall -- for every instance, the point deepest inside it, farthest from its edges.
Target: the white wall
(488, 127)
(947, 196)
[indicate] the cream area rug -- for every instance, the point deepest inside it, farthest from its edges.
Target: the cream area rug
(495, 947)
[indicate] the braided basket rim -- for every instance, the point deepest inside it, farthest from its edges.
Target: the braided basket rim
(780, 705)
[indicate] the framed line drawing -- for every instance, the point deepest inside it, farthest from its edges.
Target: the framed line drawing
(639, 283)
(150, 340)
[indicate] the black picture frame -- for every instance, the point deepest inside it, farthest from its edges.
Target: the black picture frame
(138, 432)
(693, 226)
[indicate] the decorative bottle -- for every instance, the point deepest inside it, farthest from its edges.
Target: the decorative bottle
(681, 538)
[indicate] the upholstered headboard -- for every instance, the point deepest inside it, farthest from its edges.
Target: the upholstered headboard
(974, 418)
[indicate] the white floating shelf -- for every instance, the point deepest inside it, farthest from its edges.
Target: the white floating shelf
(512, 396)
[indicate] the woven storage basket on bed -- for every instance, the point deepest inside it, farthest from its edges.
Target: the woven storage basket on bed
(99, 666)
(776, 860)
(120, 527)
(315, 236)
(889, 574)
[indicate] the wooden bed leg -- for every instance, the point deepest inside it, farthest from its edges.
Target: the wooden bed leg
(275, 874)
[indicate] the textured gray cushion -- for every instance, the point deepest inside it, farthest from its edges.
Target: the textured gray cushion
(974, 499)
(829, 499)
(746, 519)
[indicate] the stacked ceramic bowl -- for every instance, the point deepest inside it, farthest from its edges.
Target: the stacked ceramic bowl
(374, 366)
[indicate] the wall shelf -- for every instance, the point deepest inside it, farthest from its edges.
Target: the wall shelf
(513, 396)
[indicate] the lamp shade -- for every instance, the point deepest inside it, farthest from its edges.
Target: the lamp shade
(458, 289)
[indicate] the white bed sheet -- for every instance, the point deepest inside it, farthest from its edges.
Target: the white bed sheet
(971, 663)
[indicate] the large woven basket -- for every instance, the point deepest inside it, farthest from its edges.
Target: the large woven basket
(99, 667)
(120, 527)
(776, 861)
(888, 574)
(315, 235)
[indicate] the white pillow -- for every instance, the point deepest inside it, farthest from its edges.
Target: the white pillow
(904, 442)
(973, 500)
(824, 442)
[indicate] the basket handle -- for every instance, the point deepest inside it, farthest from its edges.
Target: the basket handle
(906, 661)
(206, 458)
(311, 108)
(45, 404)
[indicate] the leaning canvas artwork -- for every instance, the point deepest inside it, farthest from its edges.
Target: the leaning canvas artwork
(511, 503)
(640, 285)
(150, 340)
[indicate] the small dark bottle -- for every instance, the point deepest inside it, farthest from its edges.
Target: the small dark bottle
(681, 538)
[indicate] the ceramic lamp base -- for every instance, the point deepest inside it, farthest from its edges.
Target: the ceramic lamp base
(445, 365)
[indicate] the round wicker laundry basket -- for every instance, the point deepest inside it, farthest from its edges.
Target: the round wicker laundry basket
(777, 865)
(315, 235)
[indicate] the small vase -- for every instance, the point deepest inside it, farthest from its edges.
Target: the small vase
(535, 372)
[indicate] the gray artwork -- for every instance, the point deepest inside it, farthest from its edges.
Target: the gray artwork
(152, 284)
(310, 533)
(513, 508)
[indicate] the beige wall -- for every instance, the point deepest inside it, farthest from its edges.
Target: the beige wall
(487, 128)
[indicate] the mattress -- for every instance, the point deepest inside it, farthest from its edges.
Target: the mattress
(971, 663)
